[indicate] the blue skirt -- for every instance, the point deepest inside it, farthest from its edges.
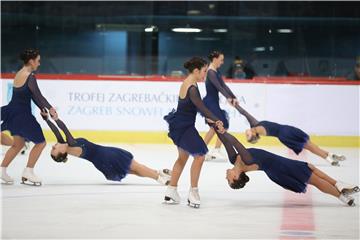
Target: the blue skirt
(293, 138)
(291, 174)
(189, 140)
(20, 122)
(184, 134)
(113, 162)
(214, 107)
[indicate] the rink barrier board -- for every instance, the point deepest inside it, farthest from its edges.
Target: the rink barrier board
(160, 137)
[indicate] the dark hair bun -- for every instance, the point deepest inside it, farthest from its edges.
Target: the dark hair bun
(240, 182)
(214, 54)
(195, 63)
(28, 54)
(187, 64)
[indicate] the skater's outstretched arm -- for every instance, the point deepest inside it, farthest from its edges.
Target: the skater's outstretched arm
(196, 99)
(52, 126)
(219, 84)
(38, 98)
(234, 147)
(252, 121)
(227, 89)
(69, 138)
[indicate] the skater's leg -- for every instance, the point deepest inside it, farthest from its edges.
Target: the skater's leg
(178, 167)
(323, 185)
(322, 175)
(35, 154)
(11, 153)
(209, 135)
(316, 149)
(171, 194)
(6, 140)
(142, 170)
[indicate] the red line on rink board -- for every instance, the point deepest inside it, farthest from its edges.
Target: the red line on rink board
(160, 78)
(297, 215)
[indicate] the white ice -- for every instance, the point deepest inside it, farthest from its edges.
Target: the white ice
(76, 201)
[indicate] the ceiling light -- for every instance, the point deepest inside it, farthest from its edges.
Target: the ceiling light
(284, 30)
(193, 12)
(259, 49)
(150, 29)
(186, 30)
(220, 30)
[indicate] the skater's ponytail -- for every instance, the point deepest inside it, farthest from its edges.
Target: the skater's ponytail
(240, 182)
(61, 157)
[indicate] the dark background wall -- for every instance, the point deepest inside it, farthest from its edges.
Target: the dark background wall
(109, 37)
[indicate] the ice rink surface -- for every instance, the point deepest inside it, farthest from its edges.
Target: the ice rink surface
(76, 201)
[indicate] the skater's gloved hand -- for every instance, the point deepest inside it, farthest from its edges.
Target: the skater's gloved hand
(53, 114)
(44, 114)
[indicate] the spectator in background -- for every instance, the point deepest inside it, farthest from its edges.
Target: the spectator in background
(248, 67)
(236, 69)
(355, 75)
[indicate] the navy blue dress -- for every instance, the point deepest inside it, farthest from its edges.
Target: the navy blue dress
(290, 136)
(181, 122)
(215, 84)
(113, 162)
(17, 118)
(291, 174)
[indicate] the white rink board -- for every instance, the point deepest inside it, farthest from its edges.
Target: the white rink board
(141, 105)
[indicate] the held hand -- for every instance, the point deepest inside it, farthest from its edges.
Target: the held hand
(220, 127)
(235, 102)
(44, 114)
(53, 114)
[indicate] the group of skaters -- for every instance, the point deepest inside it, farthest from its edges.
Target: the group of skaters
(116, 163)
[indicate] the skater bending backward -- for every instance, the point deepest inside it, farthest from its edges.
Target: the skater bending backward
(114, 163)
(290, 174)
(290, 136)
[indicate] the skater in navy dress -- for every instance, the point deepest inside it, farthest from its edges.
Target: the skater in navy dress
(114, 163)
(290, 174)
(183, 133)
(17, 118)
(290, 136)
(215, 84)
